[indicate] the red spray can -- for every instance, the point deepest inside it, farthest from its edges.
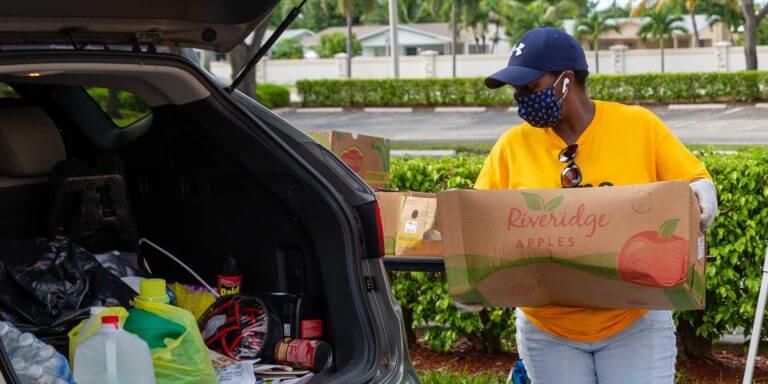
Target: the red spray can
(229, 279)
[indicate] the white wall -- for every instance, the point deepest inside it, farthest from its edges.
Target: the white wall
(288, 71)
(636, 61)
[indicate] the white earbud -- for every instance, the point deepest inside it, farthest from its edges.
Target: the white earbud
(566, 81)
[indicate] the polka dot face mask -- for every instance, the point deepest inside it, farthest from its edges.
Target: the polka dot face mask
(541, 109)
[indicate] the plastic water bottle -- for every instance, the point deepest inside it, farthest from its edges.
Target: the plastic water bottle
(34, 361)
(56, 366)
(25, 347)
(43, 354)
(35, 375)
(9, 334)
(19, 366)
(113, 356)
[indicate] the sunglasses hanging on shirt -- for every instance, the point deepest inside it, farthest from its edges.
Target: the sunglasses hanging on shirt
(571, 176)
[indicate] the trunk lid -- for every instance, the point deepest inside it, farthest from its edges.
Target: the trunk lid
(217, 25)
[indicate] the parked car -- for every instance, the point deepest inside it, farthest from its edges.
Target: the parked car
(208, 170)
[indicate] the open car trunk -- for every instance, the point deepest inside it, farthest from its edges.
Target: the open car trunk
(206, 181)
(208, 24)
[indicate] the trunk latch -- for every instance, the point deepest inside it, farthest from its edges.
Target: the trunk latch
(370, 285)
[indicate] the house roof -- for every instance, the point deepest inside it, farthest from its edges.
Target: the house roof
(358, 30)
(701, 23)
(297, 33)
(440, 31)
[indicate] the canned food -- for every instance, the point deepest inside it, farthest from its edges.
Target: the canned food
(314, 355)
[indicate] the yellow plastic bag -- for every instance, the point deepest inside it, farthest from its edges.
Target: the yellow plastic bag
(77, 334)
(185, 359)
(193, 301)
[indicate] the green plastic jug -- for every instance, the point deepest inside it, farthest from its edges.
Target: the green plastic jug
(150, 327)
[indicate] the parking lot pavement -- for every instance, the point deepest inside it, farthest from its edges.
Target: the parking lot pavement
(734, 124)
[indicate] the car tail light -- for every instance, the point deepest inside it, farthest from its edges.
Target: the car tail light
(373, 230)
(379, 227)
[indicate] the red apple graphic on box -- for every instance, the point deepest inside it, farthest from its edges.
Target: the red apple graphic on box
(353, 158)
(655, 259)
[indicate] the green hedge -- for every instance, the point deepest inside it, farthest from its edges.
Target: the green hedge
(645, 88)
(273, 96)
(401, 92)
(737, 240)
(270, 95)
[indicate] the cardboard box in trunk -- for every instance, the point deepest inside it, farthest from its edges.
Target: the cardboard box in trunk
(368, 156)
(416, 232)
(608, 247)
(390, 204)
(402, 241)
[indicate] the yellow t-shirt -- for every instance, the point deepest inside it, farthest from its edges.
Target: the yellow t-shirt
(622, 145)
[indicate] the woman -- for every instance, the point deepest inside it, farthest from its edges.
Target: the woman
(569, 140)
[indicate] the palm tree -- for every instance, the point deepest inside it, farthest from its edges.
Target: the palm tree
(520, 17)
(408, 12)
(346, 9)
(475, 17)
(457, 10)
(593, 26)
(726, 12)
(615, 10)
(690, 6)
(661, 24)
(753, 16)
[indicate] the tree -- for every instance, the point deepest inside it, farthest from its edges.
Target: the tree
(315, 15)
(518, 18)
(288, 49)
(615, 10)
(243, 53)
(661, 24)
(762, 34)
(752, 17)
(725, 12)
(672, 5)
(346, 9)
(593, 26)
(475, 17)
(334, 43)
(408, 12)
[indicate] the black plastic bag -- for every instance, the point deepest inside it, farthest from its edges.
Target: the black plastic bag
(47, 286)
(120, 264)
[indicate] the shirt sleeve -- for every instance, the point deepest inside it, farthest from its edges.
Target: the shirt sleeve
(495, 171)
(673, 160)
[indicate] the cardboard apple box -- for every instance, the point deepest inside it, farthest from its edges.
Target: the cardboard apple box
(417, 234)
(368, 156)
(608, 247)
(391, 204)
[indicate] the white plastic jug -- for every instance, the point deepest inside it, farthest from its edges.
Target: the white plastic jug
(113, 356)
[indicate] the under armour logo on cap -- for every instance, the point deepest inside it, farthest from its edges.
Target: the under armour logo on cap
(546, 50)
(518, 49)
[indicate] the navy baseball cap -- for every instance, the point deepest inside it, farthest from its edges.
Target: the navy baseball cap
(539, 51)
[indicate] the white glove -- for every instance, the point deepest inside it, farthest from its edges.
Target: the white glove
(707, 195)
(472, 308)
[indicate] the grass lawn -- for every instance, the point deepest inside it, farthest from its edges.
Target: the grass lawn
(450, 377)
(475, 367)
